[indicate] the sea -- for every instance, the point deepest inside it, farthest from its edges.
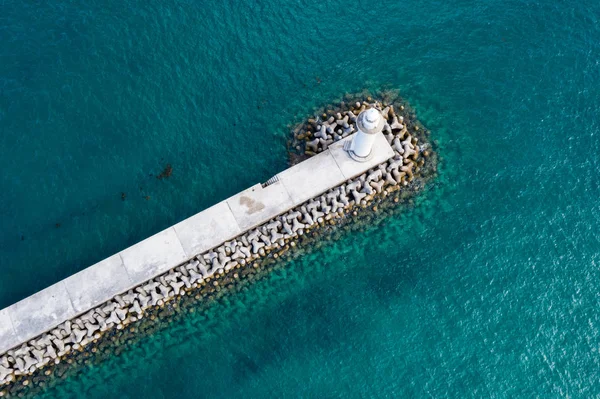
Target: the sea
(487, 287)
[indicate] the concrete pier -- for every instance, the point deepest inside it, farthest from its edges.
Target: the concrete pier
(171, 247)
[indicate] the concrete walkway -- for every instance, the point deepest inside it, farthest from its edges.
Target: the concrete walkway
(165, 250)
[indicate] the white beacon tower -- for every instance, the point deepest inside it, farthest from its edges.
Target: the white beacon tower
(369, 123)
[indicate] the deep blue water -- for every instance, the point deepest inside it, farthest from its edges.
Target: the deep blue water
(487, 288)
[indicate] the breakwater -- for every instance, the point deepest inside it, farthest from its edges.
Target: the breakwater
(312, 194)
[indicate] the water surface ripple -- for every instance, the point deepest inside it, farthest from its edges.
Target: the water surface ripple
(488, 288)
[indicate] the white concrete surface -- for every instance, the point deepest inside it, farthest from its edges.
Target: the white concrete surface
(153, 256)
(207, 229)
(8, 337)
(94, 285)
(311, 177)
(163, 251)
(256, 205)
(42, 311)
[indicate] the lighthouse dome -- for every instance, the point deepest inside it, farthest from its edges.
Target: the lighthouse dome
(370, 121)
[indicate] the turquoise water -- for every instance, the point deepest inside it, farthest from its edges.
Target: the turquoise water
(489, 288)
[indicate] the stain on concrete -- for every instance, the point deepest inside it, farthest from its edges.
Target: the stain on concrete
(252, 205)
